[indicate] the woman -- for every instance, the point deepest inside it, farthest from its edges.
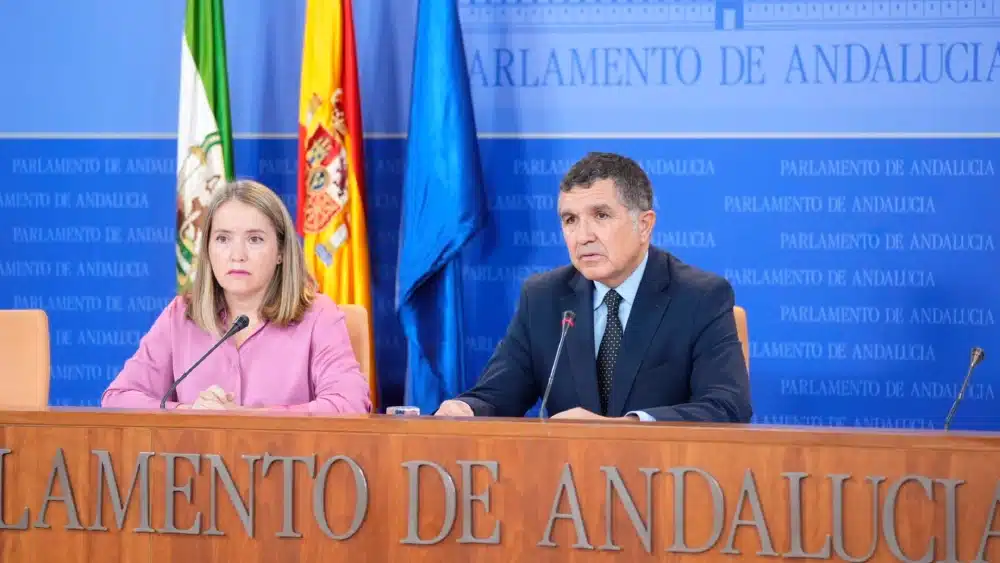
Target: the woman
(295, 354)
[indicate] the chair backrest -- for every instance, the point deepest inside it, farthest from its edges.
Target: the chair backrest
(741, 328)
(357, 328)
(25, 358)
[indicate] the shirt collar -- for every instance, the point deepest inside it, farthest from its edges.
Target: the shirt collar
(627, 289)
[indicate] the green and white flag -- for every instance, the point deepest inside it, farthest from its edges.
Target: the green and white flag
(204, 131)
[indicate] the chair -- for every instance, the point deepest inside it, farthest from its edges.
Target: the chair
(741, 328)
(25, 358)
(357, 329)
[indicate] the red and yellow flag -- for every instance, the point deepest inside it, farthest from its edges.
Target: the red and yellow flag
(331, 212)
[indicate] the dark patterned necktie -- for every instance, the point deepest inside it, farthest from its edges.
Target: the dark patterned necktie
(611, 342)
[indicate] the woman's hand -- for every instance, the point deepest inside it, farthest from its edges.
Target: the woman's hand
(214, 398)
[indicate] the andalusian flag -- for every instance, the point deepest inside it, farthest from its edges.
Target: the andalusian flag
(204, 129)
(331, 212)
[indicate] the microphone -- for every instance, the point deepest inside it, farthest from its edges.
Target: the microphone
(978, 355)
(568, 320)
(241, 323)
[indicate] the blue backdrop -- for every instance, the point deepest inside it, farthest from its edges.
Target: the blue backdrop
(837, 161)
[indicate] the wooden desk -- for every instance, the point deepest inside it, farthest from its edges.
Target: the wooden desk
(300, 488)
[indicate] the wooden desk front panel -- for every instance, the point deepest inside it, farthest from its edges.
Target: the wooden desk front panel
(534, 464)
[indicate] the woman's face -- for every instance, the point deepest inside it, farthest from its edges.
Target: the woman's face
(243, 250)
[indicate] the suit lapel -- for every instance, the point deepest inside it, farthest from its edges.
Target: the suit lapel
(651, 303)
(578, 351)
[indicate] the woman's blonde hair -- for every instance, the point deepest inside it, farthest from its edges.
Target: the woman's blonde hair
(291, 290)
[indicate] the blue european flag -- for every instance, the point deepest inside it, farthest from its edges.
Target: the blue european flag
(443, 207)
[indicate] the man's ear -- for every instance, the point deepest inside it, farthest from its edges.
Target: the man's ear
(647, 220)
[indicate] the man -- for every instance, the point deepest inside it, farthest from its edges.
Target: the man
(654, 339)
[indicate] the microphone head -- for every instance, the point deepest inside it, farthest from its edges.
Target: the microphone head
(241, 323)
(569, 317)
(978, 355)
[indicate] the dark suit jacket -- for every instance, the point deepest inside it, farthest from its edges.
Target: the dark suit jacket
(681, 357)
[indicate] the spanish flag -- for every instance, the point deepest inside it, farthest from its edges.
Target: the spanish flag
(331, 211)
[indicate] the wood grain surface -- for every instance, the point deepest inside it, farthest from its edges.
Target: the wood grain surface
(365, 488)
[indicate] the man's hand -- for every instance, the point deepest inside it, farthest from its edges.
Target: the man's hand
(454, 407)
(580, 413)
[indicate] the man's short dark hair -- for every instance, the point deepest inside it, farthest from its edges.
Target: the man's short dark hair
(631, 182)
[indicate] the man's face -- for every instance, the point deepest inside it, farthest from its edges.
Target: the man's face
(605, 241)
